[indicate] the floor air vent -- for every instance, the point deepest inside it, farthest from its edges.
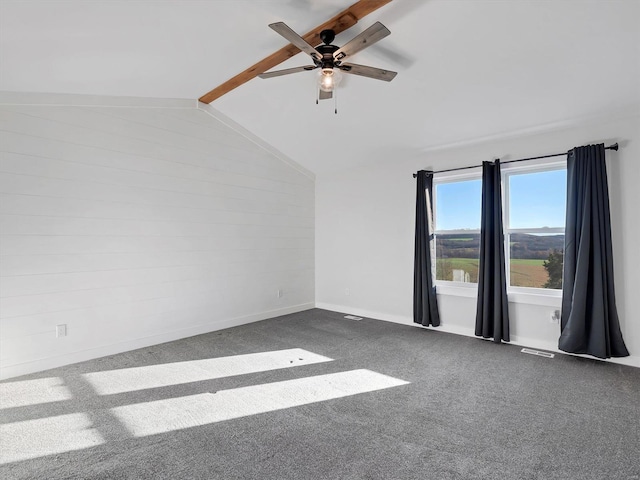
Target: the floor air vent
(537, 352)
(352, 317)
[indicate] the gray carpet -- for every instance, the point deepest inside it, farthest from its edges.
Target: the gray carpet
(471, 410)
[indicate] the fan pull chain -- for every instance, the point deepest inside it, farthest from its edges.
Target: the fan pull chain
(335, 100)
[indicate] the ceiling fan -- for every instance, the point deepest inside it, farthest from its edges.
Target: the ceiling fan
(329, 58)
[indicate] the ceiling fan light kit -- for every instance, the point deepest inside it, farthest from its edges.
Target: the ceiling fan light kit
(329, 58)
(329, 79)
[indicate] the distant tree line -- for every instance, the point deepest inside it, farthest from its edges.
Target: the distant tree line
(523, 246)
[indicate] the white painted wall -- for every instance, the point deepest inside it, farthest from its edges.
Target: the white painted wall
(365, 233)
(136, 225)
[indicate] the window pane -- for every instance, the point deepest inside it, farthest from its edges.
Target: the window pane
(537, 200)
(457, 257)
(458, 205)
(536, 260)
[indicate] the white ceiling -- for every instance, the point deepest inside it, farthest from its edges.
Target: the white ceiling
(467, 69)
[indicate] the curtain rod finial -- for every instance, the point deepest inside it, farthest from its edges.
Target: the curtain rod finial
(614, 147)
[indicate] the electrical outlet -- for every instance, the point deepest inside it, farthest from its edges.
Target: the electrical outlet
(61, 330)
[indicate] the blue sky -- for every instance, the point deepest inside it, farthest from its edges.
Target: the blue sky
(537, 200)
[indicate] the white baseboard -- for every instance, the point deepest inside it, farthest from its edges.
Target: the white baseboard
(632, 361)
(9, 371)
(392, 318)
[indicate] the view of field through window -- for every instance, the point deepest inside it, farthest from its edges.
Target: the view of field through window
(536, 203)
(536, 260)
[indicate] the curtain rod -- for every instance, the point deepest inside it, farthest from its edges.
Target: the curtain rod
(610, 147)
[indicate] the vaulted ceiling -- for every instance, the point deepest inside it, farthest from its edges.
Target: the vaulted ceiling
(467, 69)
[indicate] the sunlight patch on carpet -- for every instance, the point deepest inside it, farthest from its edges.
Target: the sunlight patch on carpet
(153, 376)
(33, 392)
(171, 414)
(46, 436)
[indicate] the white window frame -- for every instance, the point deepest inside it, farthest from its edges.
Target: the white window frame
(507, 170)
(523, 168)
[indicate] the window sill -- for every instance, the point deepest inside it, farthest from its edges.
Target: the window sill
(553, 298)
(457, 289)
(550, 299)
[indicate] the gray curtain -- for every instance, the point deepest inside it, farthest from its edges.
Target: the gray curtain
(589, 322)
(492, 315)
(425, 302)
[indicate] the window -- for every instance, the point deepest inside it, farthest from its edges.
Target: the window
(534, 226)
(534, 199)
(457, 229)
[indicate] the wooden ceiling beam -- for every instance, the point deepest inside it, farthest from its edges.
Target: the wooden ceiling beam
(341, 22)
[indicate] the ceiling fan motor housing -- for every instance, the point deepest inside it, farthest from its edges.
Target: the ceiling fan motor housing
(327, 60)
(327, 50)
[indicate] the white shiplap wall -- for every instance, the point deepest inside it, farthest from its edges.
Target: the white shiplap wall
(138, 225)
